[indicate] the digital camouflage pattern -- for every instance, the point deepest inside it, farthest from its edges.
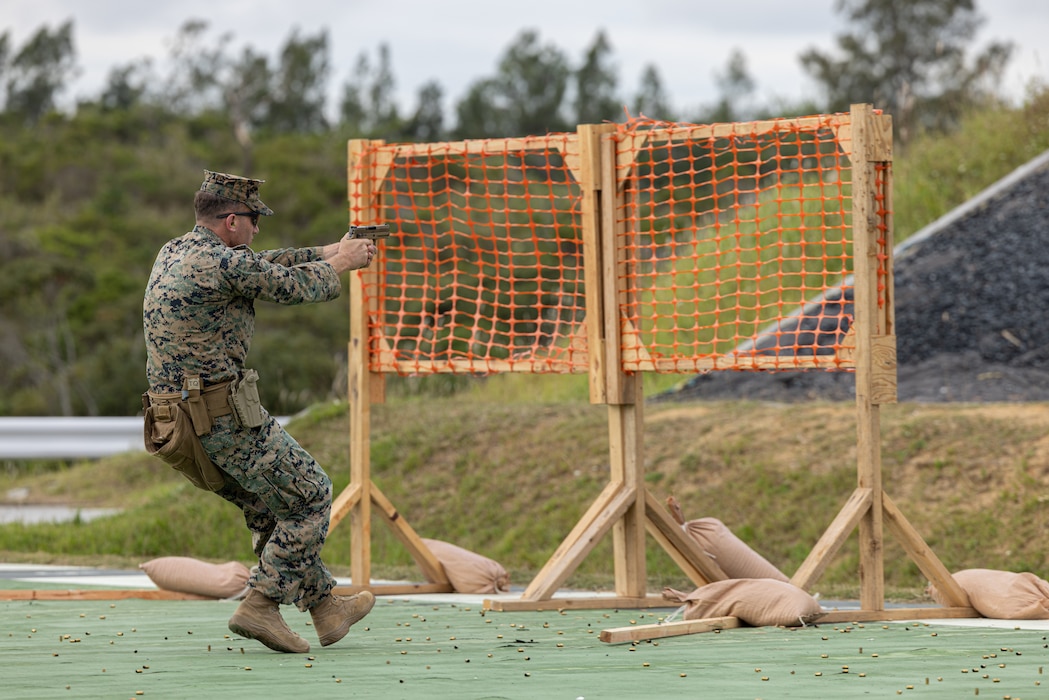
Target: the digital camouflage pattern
(199, 318)
(237, 189)
(199, 313)
(286, 500)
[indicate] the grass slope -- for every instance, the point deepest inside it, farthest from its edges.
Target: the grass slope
(510, 478)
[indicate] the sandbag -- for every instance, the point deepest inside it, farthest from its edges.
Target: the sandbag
(1001, 595)
(757, 602)
(188, 575)
(730, 553)
(467, 571)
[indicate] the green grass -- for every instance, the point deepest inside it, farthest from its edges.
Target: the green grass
(938, 172)
(509, 477)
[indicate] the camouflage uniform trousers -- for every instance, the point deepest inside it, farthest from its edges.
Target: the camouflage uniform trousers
(286, 500)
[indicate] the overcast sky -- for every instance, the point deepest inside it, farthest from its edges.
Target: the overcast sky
(458, 41)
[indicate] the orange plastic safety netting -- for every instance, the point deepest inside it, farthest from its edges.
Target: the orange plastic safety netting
(725, 232)
(732, 249)
(484, 272)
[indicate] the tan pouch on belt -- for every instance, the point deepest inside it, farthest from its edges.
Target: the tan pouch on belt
(168, 433)
(245, 401)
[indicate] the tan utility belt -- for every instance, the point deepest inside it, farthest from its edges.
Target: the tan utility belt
(205, 404)
(214, 397)
(202, 405)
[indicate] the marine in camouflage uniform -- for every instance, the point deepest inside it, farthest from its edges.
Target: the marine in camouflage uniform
(199, 318)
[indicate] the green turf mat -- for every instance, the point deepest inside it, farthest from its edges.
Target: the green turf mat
(409, 649)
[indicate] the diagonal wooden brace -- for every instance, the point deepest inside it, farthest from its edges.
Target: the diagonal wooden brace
(605, 511)
(832, 540)
(920, 554)
(684, 550)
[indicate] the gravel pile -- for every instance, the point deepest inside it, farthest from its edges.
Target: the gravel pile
(972, 311)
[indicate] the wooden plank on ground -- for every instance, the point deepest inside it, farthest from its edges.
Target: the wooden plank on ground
(594, 603)
(640, 633)
(157, 594)
(896, 615)
(100, 594)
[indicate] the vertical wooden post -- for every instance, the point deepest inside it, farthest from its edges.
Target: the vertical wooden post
(869, 146)
(592, 185)
(625, 434)
(618, 389)
(870, 143)
(359, 185)
(621, 506)
(624, 395)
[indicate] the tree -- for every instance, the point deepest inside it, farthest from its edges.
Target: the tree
(194, 84)
(297, 96)
(476, 114)
(524, 98)
(5, 50)
(248, 100)
(39, 71)
(651, 99)
(909, 58)
(427, 123)
(735, 85)
(126, 86)
(595, 80)
(368, 107)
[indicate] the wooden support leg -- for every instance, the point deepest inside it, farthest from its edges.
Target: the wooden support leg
(624, 422)
(919, 552)
(684, 550)
(832, 540)
(431, 568)
(871, 527)
(343, 504)
(361, 537)
(609, 507)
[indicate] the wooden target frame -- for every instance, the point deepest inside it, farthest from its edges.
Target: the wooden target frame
(625, 508)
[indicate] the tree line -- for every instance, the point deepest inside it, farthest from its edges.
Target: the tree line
(88, 196)
(913, 58)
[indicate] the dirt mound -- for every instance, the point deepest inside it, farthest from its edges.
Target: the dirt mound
(972, 300)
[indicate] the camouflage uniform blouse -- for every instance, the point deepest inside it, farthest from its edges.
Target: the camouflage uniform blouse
(198, 313)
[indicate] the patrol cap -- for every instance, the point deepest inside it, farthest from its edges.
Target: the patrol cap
(237, 189)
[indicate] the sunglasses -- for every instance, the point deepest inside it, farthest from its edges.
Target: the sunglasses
(253, 214)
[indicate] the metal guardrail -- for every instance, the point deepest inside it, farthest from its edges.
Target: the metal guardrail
(68, 438)
(71, 438)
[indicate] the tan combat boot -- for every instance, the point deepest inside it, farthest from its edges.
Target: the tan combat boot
(257, 617)
(334, 615)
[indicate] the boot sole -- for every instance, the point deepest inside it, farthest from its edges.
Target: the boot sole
(266, 639)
